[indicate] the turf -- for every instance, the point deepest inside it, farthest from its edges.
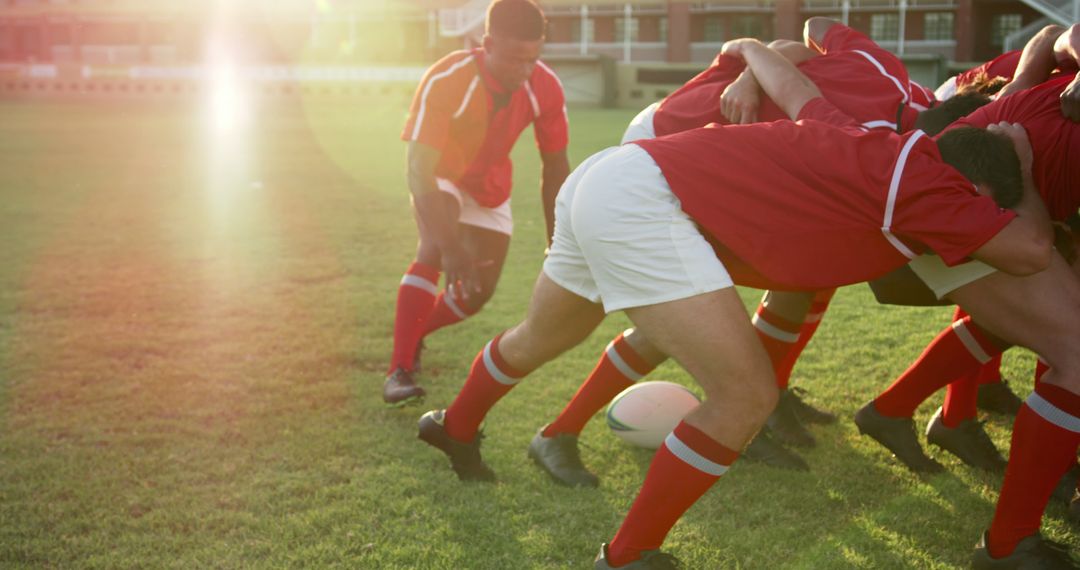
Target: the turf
(194, 326)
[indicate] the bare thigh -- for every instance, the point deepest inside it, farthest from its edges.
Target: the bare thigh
(711, 337)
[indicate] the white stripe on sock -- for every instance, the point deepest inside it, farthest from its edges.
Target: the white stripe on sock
(498, 375)
(449, 299)
(620, 364)
(420, 283)
(772, 331)
(693, 458)
(969, 342)
(1052, 413)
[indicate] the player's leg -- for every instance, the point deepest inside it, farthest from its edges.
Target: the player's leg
(994, 393)
(811, 321)
(779, 322)
(557, 320)
(710, 337)
(1041, 312)
(485, 233)
(957, 350)
(415, 301)
(627, 359)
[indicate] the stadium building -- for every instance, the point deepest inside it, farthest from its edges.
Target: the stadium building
(611, 51)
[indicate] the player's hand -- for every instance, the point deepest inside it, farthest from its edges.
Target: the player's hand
(736, 47)
(1070, 101)
(462, 278)
(740, 100)
(1018, 134)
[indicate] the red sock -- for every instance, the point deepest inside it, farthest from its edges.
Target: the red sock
(1044, 442)
(806, 332)
(990, 373)
(956, 351)
(961, 398)
(416, 297)
(489, 380)
(778, 335)
(619, 367)
(448, 310)
(685, 466)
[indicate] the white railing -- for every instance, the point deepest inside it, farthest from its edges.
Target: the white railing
(1063, 12)
(457, 22)
(1019, 38)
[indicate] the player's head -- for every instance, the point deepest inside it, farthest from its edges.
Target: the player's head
(988, 159)
(512, 40)
(934, 120)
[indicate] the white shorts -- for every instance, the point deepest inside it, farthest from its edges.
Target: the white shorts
(642, 126)
(497, 219)
(621, 237)
(942, 279)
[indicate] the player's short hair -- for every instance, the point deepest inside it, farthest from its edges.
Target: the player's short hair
(985, 158)
(935, 119)
(517, 19)
(984, 83)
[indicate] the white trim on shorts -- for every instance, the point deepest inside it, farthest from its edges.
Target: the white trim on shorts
(498, 219)
(942, 279)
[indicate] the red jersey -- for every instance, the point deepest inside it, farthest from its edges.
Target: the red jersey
(865, 81)
(821, 203)
(460, 109)
(1055, 140)
(1003, 65)
(921, 97)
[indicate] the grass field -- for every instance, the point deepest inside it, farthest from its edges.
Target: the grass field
(194, 326)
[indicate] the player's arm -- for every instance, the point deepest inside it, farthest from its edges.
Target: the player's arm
(1067, 52)
(1026, 244)
(1037, 61)
(556, 167)
(439, 221)
(740, 100)
(814, 31)
(778, 77)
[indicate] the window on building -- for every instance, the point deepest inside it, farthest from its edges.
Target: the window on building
(663, 28)
(1002, 25)
(884, 27)
(714, 29)
(747, 27)
(626, 29)
(589, 27)
(938, 26)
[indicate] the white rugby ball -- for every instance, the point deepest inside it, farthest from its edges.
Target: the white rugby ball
(645, 413)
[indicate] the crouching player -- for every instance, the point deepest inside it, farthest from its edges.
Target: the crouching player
(847, 205)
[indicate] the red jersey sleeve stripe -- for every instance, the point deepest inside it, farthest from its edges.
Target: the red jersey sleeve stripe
(879, 125)
(881, 69)
(532, 99)
(544, 66)
(894, 191)
(427, 91)
(468, 96)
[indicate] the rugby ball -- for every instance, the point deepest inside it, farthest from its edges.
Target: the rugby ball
(645, 413)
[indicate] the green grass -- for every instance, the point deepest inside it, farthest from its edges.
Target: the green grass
(194, 330)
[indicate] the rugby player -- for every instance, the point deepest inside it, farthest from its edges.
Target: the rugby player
(468, 111)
